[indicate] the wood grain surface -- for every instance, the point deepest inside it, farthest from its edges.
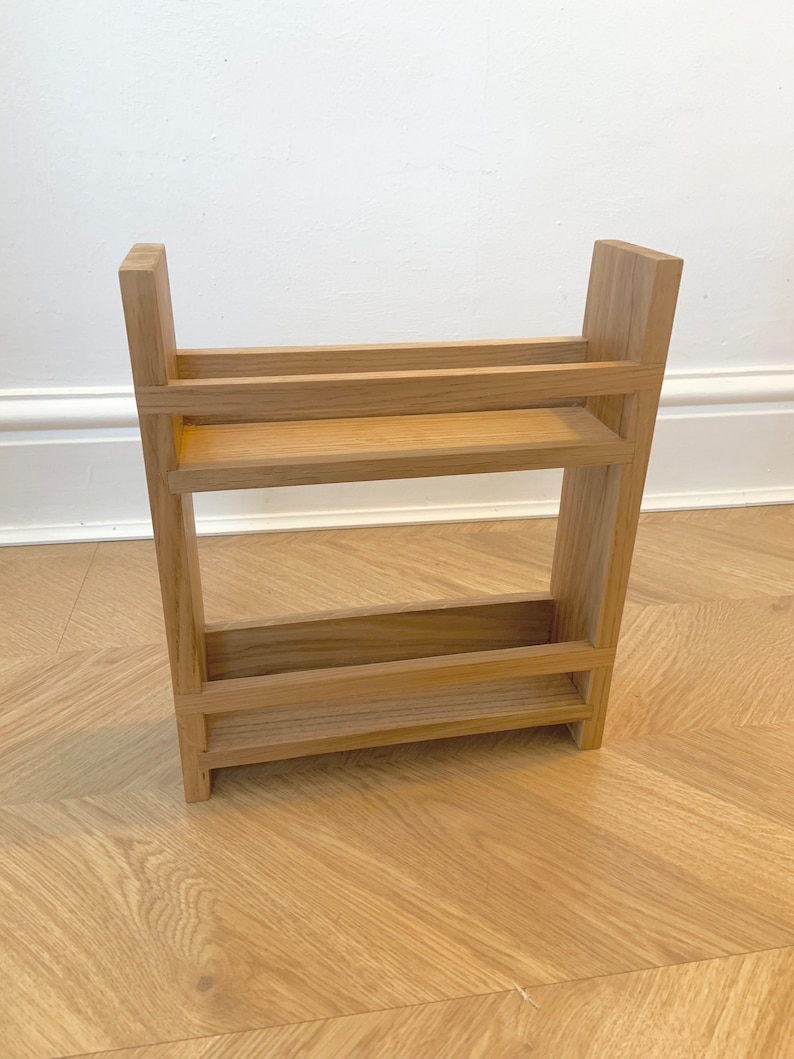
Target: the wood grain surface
(267, 438)
(629, 315)
(280, 732)
(378, 902)
(376, 634)
(737, 1006)
(146, 297)
(388, 393)
(253, 362)
(256, 455)
(38, 591)
(403, 677)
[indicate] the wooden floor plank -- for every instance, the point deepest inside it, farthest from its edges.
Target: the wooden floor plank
(681, 557)
(119, 605)
(86, 723)
(403, 877)
(379, 881)
(702, 665)
(733, 1008)
(733, 553)
(39, 586)
(743, 762)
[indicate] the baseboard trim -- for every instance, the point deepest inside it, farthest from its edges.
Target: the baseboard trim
(359, 518)
(71, 468)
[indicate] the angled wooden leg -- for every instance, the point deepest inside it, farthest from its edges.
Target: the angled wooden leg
(595, 691)
(629, 316)
(180, 585)
(150, 331)
(192, 733)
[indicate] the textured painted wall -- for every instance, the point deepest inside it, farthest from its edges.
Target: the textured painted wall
(331, 170)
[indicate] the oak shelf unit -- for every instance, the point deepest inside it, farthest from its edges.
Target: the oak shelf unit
(261, 690)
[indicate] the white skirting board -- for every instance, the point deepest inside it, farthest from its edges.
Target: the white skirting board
(71, 468)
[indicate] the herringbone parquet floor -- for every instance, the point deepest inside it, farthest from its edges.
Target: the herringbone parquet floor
(495, 896)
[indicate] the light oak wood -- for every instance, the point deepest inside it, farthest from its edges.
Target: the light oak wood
(399, 356)
(737, 1007)
(38, 592)
(389, 421)
(252, 647)
(743, 554)
(284, 398)
(739, 553)
(494, 1026)
(381, 884)
(313, 571)
(281, 732)
(254, 455)
(304, 687)
(386, 878)
(718, 666)
(704, 650)
(629, 314)
(101, 720)
(150, 333)
(97, 620)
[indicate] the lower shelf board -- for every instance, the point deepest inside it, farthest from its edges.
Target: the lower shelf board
(277, 732)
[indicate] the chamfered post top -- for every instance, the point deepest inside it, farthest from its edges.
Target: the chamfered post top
(631, 300)
(640, 251)
(144, 257)
(146, 296)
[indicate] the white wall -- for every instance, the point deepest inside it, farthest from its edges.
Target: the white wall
(341, 170)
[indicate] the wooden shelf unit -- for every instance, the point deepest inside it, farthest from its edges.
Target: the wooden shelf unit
(260, 690)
